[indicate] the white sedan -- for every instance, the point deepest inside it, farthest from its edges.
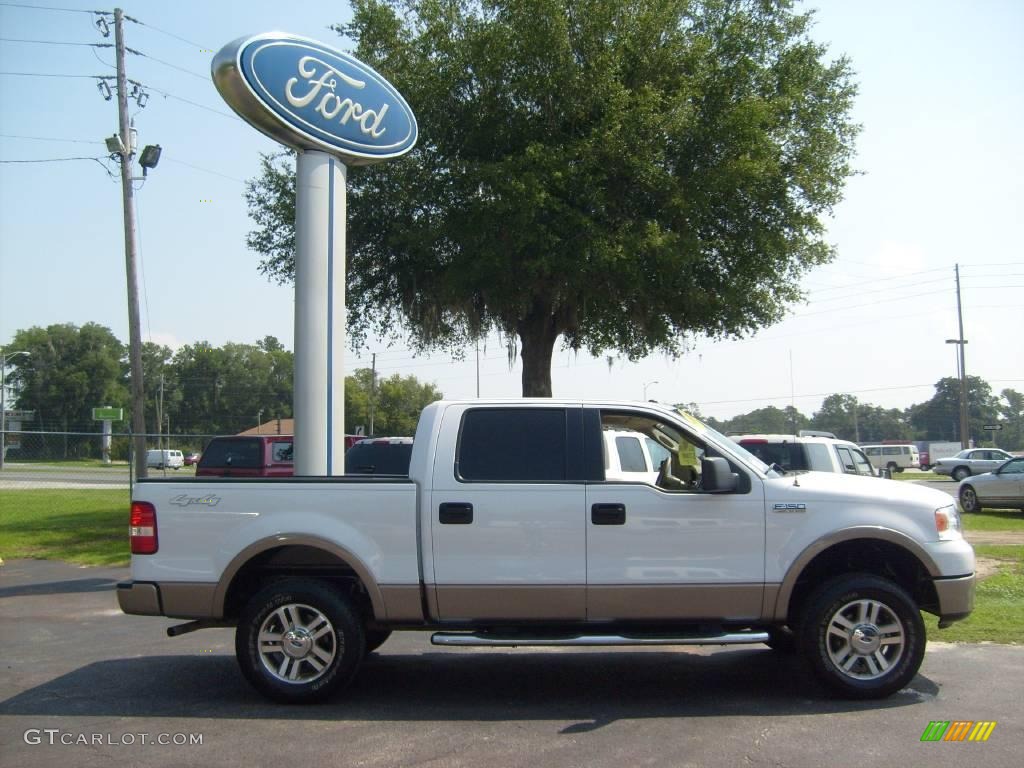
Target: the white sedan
(1003, 487)
(973, 461)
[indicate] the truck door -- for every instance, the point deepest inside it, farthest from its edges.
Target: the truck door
(668, 550)
(507, 521)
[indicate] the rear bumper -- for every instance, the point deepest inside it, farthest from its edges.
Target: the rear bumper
(956, 598)
(140, 598)
(180, 600)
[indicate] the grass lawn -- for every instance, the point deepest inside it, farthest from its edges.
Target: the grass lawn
(80, 526)
(998, 615)
(994, 520)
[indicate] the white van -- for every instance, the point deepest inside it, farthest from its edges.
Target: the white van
(632, 456)
(165, 459)
(895, 458)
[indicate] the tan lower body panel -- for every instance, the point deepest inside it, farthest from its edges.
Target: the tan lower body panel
(402, 603)
(733, 602)
(493, 602)
(187, 600)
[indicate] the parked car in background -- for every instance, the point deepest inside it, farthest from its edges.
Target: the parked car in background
(895, 458)
(806, 452)
(632, 456)
(1002, 487)
(164, 459)
(379, 456)
(972, 461)
(248, 456)
(191, 458)
(932, 451)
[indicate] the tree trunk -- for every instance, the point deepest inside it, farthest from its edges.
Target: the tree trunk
(538, 332)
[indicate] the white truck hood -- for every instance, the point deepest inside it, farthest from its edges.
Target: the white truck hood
(830, 487)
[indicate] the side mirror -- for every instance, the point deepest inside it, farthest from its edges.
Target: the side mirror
(717, 476)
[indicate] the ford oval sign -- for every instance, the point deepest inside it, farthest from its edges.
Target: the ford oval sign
(309, 96)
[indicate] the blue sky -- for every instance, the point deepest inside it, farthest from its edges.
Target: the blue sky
(942, 182)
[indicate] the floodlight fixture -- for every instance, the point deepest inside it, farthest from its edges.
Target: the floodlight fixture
(150, 157)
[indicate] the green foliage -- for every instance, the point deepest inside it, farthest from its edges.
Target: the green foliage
(397, 402)
(69, 371)
(939, 418)
(618, 175)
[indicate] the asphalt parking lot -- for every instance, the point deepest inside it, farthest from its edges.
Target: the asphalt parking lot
(85, 685)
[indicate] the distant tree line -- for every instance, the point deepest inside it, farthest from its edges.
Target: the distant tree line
(199, 390)
(205, 390)
(936, 419)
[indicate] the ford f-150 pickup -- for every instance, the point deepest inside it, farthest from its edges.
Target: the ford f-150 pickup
(506, 532)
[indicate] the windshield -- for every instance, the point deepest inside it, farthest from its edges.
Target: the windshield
(735, 448)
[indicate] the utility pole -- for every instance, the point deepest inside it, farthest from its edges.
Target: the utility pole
(127, 152)
(965, 428)
(373, 389)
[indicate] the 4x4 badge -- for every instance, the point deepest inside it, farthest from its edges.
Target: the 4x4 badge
(210, 500)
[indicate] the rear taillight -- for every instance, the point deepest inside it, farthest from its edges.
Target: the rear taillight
(142, 528)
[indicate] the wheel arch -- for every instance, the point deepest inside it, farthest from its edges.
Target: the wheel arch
(863, 549)
(290, 554)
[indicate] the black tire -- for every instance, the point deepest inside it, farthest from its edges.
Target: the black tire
(319, 663)
(863, 636)
(969, 499)
(960, 473)
(893, 467)
(375, 638)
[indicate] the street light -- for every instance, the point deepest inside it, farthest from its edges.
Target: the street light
(649, 383)
(4, 357)
(962, 375)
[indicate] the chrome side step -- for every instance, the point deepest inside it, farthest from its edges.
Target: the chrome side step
(511, 641)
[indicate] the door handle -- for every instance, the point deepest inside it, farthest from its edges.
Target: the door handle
(455, 513)
(608, 514)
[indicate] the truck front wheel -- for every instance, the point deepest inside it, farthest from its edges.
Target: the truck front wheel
(863, 635)
(298, 641)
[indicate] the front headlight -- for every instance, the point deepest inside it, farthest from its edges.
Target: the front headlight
(947, 523)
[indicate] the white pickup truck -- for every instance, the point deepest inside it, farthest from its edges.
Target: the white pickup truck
(507, 533)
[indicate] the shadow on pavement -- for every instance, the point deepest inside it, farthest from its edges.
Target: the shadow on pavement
(69, 586)
(592, 689)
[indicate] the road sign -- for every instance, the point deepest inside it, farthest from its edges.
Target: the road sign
(107, 414)
(992, 427)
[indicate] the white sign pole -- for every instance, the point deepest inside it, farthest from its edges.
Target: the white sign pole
(320, 212)
(108, 429)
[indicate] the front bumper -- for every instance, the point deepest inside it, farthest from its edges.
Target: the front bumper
(956, 598)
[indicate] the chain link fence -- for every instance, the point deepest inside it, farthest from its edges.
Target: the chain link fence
(88, 460)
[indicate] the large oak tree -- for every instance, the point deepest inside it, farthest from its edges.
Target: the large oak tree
(617, 174)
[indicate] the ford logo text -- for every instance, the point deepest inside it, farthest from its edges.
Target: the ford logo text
(309, 96)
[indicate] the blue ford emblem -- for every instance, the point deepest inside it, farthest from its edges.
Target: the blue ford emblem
(309, 96)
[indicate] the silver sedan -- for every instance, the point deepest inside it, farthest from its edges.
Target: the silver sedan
(973, 461)
(1003, 487)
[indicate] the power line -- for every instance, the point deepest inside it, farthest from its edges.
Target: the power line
(47, 138)
(55, 160)
(51, 8)
(165, 32)
(45, 74)
(54, 42)
(205, 78)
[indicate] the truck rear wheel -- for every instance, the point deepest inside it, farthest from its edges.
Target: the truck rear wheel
(863, 635)
(298, 641)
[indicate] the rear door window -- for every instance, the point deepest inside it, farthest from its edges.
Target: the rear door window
(631, 455)
(525, 445)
